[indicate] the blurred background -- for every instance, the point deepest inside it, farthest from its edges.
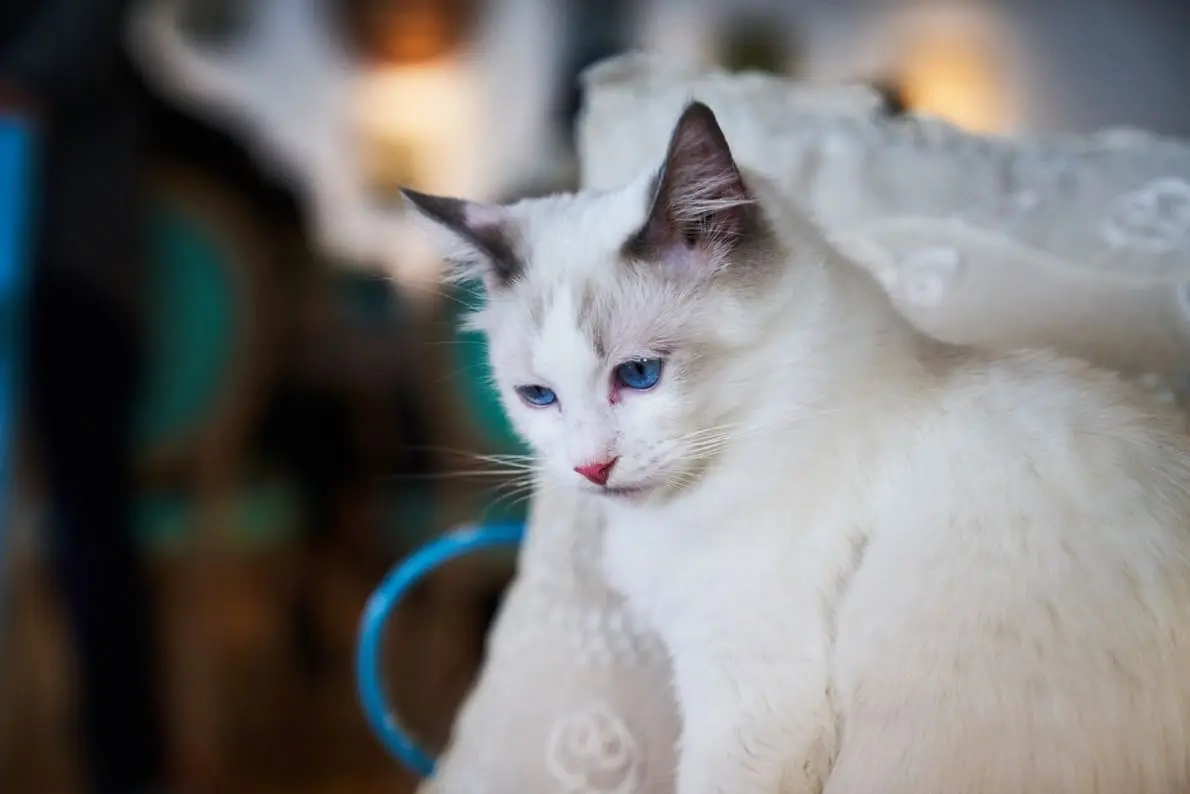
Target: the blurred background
(245, 393)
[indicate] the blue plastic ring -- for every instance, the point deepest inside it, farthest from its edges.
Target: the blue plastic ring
(396, 584)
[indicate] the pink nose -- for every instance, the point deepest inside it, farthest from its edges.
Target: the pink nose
(597, 472)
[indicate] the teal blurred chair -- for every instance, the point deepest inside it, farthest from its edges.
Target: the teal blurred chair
(208, 373)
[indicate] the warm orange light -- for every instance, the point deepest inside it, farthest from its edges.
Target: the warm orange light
(409, 32)
(957, 73)
(418, 126)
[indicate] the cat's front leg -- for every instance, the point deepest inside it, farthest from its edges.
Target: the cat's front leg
(754, 722)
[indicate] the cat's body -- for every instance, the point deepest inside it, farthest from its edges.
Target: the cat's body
(951, 594)
(881, 565)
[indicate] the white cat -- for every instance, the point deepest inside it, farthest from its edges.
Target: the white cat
(881, 565)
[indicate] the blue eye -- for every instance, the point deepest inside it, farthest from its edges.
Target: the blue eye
(537, 395)
(639, 374)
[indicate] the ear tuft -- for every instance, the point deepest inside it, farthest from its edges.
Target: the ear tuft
(478, 239)
(700, 203)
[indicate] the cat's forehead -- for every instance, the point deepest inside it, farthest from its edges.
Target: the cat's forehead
(567, 345)
(610, 311)
(567, 307)
(576, 284)
(569, 237)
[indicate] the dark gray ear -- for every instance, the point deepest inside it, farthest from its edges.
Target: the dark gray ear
(700, 205)
(483, 229)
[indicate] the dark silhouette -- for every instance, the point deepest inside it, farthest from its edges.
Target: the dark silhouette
(61, 63)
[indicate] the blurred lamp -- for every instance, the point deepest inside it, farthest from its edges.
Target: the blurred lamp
(409, 32)
(954, 68)
(416, 108)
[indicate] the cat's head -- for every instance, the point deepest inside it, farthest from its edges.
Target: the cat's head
(618, 322)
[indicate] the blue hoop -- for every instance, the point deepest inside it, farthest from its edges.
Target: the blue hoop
(383, 601)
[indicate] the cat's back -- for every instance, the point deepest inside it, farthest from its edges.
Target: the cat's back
(1021, 618)
(1059, 431)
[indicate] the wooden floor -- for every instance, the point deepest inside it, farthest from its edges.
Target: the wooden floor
(244, 719)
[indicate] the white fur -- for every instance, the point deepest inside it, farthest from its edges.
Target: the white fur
(881, 565)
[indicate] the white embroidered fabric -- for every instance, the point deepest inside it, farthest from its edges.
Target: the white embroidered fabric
(1078, 243)
(574, 697)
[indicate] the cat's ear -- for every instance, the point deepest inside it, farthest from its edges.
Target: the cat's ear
(475, 238)
(700, 204)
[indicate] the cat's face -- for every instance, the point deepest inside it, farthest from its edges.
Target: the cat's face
(615, 321)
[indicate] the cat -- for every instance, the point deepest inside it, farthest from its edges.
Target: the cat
(880, 564)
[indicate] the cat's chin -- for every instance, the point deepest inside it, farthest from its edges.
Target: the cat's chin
(623, 493)
(626, 491)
